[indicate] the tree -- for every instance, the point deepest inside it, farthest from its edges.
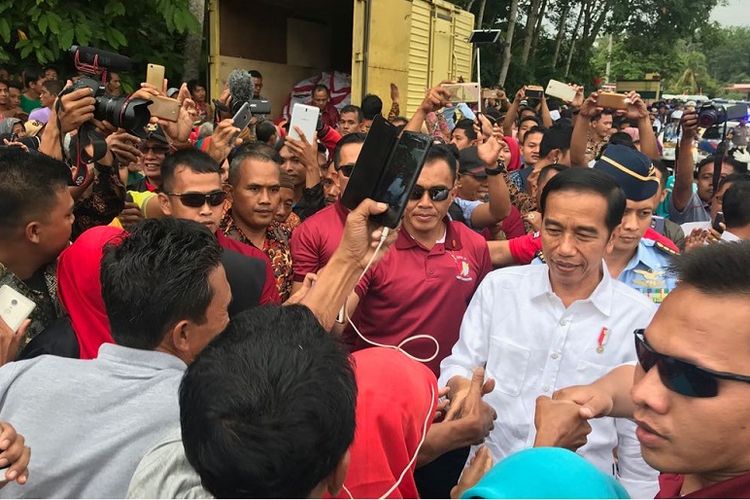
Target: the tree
(42, 31)
(194, 42)
(530, 26)
(508, 42)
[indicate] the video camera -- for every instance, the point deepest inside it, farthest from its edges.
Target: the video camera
(711, 114)
(121, 112)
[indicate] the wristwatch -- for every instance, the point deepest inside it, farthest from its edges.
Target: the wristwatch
(500, 169)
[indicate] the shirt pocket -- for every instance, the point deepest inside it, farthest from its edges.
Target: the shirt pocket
(588, 372)
(507, 364)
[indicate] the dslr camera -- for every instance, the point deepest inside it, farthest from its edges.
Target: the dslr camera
(121, 112)
(711, 114)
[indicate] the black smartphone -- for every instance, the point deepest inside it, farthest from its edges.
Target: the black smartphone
(378, 145)
(260, 106)
(399, 176)
(718, 220)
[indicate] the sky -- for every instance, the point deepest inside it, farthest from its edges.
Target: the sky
(735, 13)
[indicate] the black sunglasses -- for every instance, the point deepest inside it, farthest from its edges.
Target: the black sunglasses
(197, 200)
(437, 193)
(346, 170)
(680, 376)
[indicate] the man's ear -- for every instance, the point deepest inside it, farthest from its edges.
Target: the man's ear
(32, 231)
(338, 476)
(165, 204)
(611, 242)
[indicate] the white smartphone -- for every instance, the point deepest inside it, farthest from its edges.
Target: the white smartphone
(306, 118)
(14, 307)
(560, 90)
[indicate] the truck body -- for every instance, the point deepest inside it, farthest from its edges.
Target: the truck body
(413, 43)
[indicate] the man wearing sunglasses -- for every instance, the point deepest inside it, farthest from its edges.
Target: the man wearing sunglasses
(315, 240)
(689, 394)
(537, 328)
(192, 190)
(154, 149)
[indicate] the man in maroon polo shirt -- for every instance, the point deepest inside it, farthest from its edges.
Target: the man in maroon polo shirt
(689, 394)
(315, 240)
(190, 174)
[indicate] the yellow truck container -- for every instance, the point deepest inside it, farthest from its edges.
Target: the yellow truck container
(412, 43)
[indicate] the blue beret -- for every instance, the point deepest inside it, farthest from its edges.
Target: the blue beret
(632, 170)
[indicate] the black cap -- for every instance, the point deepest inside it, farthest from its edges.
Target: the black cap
(632, 170)
(469, 162)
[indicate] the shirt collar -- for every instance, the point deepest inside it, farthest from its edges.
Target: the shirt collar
(601, 297)
(644, 254)
(730, 236)
(155, 360)
(452, 237)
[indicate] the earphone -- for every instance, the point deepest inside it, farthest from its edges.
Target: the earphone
(344, 313)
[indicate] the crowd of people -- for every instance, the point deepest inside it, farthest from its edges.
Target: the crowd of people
(211, 321)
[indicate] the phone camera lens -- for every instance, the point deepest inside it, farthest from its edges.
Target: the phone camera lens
(14, 302)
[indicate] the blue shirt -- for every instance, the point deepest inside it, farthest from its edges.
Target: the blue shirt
(647, 271)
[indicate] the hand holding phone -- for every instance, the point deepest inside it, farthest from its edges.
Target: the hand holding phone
(534, 92)
(462, 92)
(718, 223)
(14, 308)
(561, 90)
(304, 117)
(155, 76)
(242, 117)
(612, 100)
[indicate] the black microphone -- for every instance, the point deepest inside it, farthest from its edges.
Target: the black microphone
(108, 60)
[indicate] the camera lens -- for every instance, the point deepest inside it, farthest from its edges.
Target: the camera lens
(13, 302)
(122, 113)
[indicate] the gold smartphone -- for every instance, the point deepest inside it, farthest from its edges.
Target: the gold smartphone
(155, 76)
(165, 108)
(612, 100)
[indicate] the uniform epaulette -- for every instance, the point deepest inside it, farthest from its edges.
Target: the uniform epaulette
(664, 248)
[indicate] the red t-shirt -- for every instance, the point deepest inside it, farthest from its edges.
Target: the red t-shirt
(513, 224)
(738, 487)
(413, 291)
(270, 294)
(315, 240)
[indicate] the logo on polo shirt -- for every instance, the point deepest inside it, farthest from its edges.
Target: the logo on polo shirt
(463, 267)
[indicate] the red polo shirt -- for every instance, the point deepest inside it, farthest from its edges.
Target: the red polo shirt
(270, 294)
(415, 291)
(315, 240)
(738, 487)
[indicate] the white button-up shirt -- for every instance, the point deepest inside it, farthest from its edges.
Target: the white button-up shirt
(531, 345)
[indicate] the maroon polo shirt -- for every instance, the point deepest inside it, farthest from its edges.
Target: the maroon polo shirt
(315, 240)
(415, 291)
(738, 487)
(270, 294)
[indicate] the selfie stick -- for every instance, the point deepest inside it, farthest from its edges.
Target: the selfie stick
(477, 38)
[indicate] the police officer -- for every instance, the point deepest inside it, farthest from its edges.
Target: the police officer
(639, 262)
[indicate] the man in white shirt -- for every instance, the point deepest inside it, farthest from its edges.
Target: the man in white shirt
(736, 205)
(541, 328)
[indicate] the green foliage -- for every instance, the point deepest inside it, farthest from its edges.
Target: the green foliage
(42, 31)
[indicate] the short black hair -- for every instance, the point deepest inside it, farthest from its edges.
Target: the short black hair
(534, 130)
(193, 84)
(446, 153)
(253, 150)
(534, 119)
(29, 184)
(715, 269)
(372, 106)
(320, 87)
(663, 172)
(15, 84)
(54, 87)
(254, 73)
(265, 130)
(598, 115)
(157, 276)
(621, 138)
(31, 75)
(197, 161)
(555, 137)
(351, 108)
(589, 180)
(468, 127)
(732, 178)
(736, 205)
(355, 138)
(709, 160)
(268, 407)
(546, 171)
